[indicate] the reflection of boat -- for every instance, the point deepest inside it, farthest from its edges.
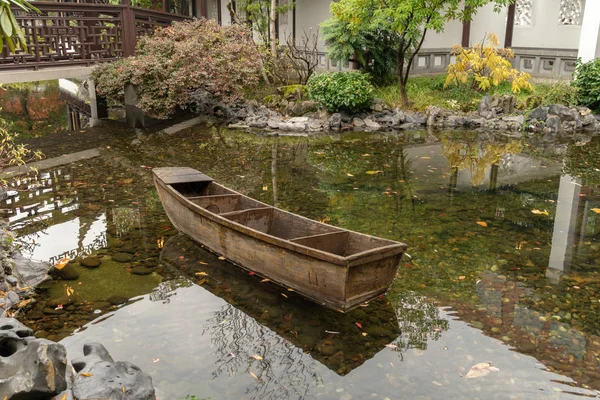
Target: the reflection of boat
(332, 266)
(332, 338)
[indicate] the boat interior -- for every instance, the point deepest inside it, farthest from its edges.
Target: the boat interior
(272, 221)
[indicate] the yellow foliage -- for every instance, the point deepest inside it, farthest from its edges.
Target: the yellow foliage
(487, 66)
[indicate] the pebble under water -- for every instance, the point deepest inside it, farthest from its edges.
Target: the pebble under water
(502, 267)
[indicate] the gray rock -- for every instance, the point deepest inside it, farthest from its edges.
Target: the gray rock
(415, 118)
(485, 106)
(31, 368)
(257, 122)
(564, 112)
(238, 126)
(540, 113)
(358, 122)
(304, 107)
(122, 257)
(390, 119)
(516, 120)
(335, 121)
(553, 123)
(273, 123)
(377, 107)
(588, 120)
(297, 120)
(12, 280)
(30, 273)
(371, 125)
(108, 379)
(13, 297)
(407, 126)
(3, 192)
(292, 126)
(316, 125)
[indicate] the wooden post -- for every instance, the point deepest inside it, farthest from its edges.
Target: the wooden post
(128, 29)
(510, 25)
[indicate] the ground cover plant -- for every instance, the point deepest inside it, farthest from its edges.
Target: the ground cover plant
(429, 90)
(187, 56)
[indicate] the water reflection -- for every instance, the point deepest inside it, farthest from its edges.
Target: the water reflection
(515, 255)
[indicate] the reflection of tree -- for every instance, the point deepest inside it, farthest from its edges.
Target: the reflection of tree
(583, 162)
(477, 155)
(125, 219)
(419, 320)
(284, 372)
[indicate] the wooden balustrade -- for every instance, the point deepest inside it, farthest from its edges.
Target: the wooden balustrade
(67, 34)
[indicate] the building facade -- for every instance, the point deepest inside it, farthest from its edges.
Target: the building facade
(547, 36)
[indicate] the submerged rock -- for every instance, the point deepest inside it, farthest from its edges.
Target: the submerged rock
(122, 257)
(68, 273)
(91, 262)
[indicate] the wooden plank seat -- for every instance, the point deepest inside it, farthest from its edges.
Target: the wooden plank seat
(225, 203)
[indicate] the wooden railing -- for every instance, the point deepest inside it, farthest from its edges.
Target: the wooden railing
(67, 34)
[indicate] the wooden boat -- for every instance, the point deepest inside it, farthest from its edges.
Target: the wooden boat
(332, 266)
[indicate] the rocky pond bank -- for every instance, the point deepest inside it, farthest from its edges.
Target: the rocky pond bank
(291, 113)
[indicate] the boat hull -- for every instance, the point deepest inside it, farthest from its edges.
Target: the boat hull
(341, 285)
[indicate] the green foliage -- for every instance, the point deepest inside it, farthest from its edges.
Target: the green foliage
(10, 31)
(588, 82)
(404, 22)
(484, 66)
(556, 92)
(337, 91)
(12, 153)
(179, 59)
(373, 48)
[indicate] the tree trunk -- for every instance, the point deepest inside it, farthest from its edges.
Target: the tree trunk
(401, 80)
(272, 28)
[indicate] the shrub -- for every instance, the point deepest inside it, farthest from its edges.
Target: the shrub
(588, 82)
(342, 91)
(182, 58)
(484, 66)
(12, 153)
(558, 92)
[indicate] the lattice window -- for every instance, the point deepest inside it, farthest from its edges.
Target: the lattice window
(571, 12)
(523, 12)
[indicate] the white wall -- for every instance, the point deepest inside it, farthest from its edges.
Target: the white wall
(487, 21)
(310, 14)
(452, 35)
(545, 31)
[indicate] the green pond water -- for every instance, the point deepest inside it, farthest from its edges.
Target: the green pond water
(503, 257)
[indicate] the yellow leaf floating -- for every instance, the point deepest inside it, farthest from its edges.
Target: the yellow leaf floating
(538, 212)
(86, 374)
(257, 357)
(254, 376)
(373, 172)
(221, 258)
(62, 263)
(364, 333)
(64, 397)
(596, 210)
(265, 280)
(202, 273)
(284, 295)
(482, 223)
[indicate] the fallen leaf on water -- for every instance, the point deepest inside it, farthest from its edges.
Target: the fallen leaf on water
(284, 295)
(538, 212)
(221, 258)
(254, 376)
(202, 262)
(364, 334)
(123, 389)
(231, 355)
(201, 282)
(373, 172)
(480, 369)
(62, 263)
(391, 346)
(257, 357)
(596, 210)
(265, 280)
(425, 158)
(181, 257)
(290, 290)
(155, 360)
(349, 174)
(461, 277)
(86, 374)
(202, 273)
(366, 155)
(64, 397)
(481, 223)
(358, 324)
(332, 332)
(251, 273)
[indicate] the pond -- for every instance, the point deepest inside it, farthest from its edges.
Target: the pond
(502, 267)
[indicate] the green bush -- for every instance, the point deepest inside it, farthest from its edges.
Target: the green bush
(588, 81)
(342, 91)
(179, 59)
